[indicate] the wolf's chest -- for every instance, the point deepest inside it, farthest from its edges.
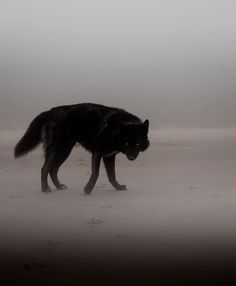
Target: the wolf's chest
(110, 154)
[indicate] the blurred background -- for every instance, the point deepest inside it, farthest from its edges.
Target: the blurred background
(173, 62)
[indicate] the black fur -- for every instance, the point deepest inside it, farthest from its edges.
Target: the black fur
(102, 130)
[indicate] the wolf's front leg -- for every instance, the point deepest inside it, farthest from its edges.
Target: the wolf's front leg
(109, 163)
(96, 159)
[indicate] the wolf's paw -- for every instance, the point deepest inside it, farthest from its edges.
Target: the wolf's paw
(88, 189)
(87, 192)
(61, 187)
(46, 190)
(120, 187)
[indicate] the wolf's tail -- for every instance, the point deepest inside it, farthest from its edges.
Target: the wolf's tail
(32, 136)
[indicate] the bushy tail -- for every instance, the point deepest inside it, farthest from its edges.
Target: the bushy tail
(32, 136)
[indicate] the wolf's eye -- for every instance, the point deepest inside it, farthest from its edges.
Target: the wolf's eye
(126, 144)
(137, 144)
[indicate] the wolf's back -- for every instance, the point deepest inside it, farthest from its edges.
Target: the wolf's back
(32, 136)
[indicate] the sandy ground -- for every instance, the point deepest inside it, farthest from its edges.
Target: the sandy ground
(175, 225)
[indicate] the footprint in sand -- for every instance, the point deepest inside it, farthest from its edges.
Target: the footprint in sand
(94, 221)
(106, 207)
(15, 196)
(2, 171)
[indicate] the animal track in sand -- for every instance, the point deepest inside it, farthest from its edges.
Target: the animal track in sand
(15, 196)
(106, 206)
(93, 221)
(2, 171)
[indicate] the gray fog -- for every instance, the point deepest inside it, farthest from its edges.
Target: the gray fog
(173, 62)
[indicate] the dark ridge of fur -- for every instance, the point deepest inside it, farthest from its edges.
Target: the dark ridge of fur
(32, 136)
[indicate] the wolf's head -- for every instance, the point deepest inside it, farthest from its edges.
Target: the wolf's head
(134, 138)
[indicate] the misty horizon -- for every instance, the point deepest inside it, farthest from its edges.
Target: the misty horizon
(172, 62)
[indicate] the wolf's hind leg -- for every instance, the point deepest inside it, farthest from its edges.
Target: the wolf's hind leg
(55, 180)
(45, 170)
(109, 163)
(61, 153)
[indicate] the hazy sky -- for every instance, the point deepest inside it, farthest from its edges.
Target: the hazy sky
(172, 61)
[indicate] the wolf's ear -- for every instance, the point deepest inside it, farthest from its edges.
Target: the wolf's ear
(146, 126)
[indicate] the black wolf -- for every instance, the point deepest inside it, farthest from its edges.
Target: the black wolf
(104, 131)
